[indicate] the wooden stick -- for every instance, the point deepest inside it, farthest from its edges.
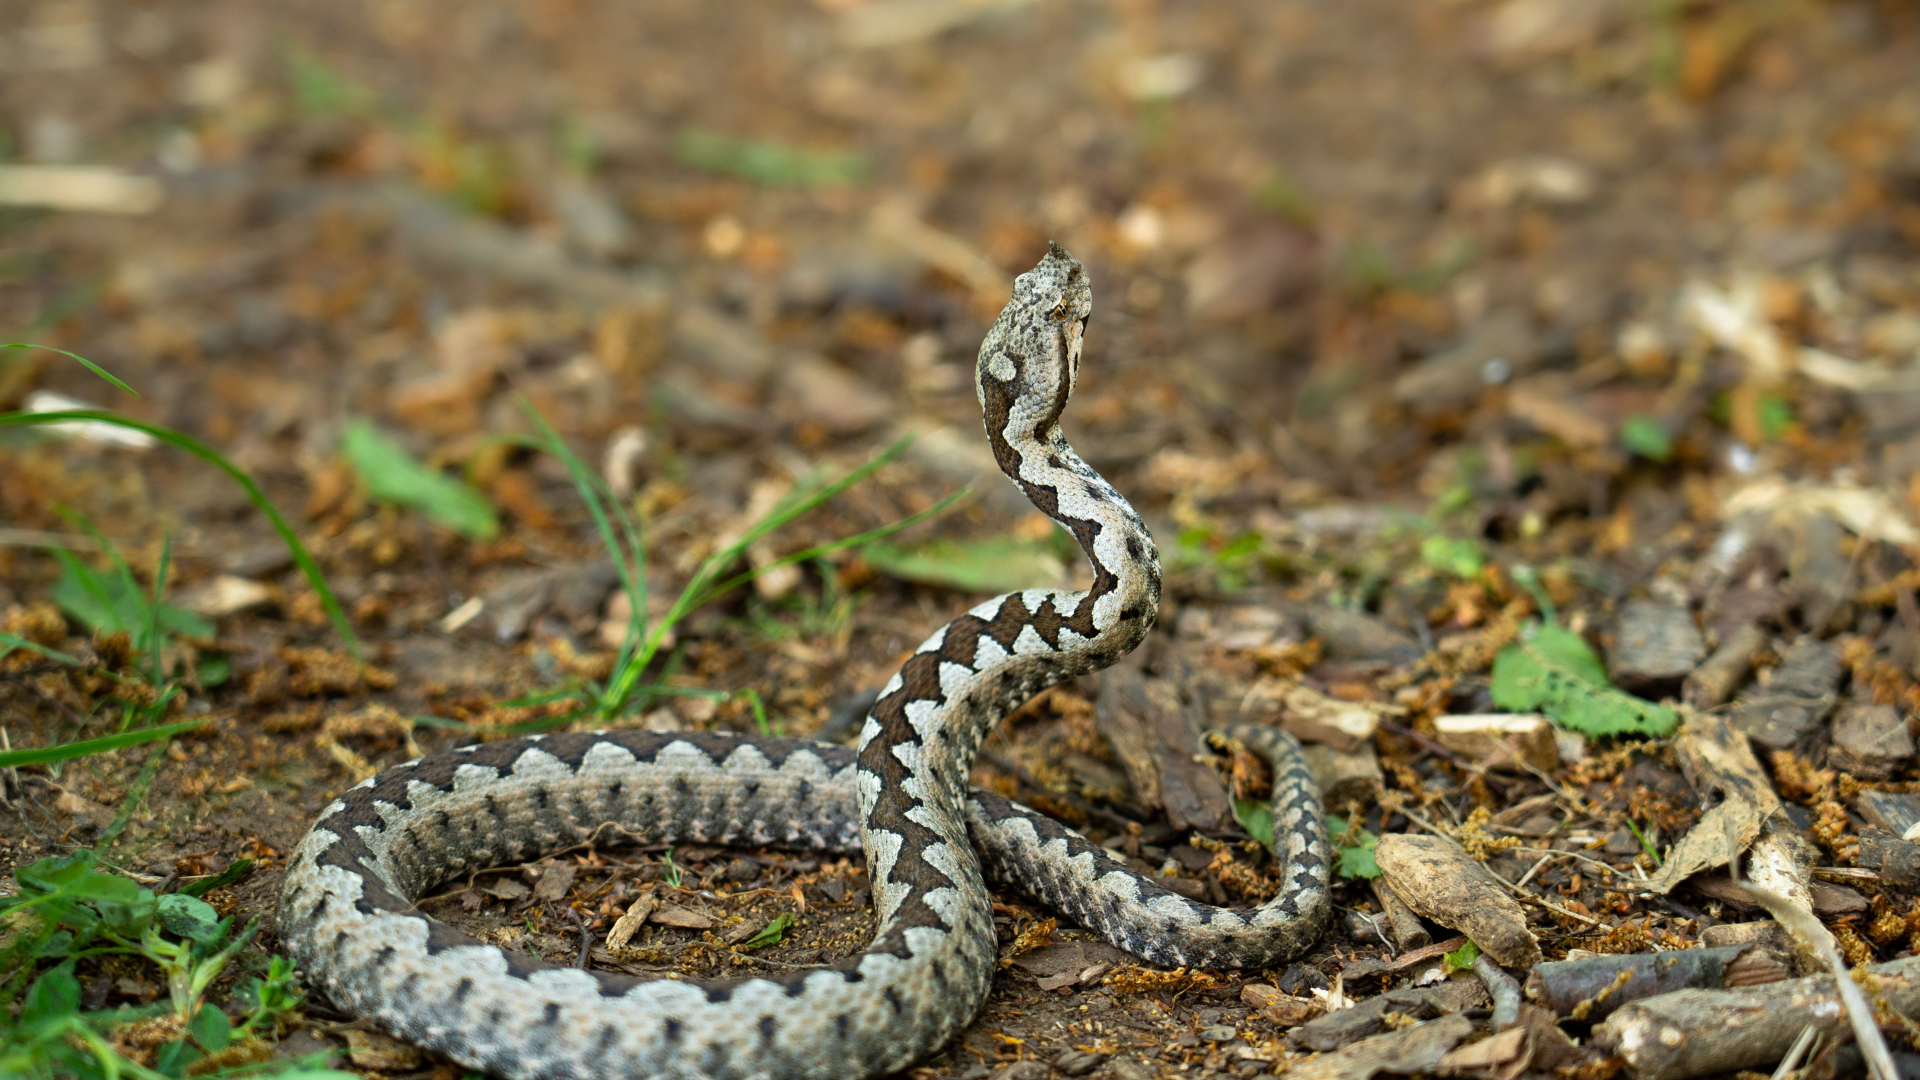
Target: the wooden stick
(1702, 1032)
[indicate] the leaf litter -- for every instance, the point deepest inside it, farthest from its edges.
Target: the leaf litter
(1412, 458)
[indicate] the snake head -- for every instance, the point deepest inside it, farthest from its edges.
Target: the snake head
(1031, 358)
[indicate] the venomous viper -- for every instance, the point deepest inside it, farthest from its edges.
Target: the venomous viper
(904, 798)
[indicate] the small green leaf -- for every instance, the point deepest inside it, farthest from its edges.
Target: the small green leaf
(1775, 415)
(993, 566)
(53, 996)
(1643, 435)
(1457, 556)
(1255, 816)
(234, 871)
(127, 917)
(174, 1058)
(59, 944)
(190, 917)
(212, 1029)
(772, 933)
(392, 476)
(1461, 958)
(1356, 860)
(110, 603)
(1554, 672)
(212, 671)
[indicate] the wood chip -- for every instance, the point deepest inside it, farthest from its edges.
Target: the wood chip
(1408, 931)
(78, 187)
(1282, 1008)
(1344, 778)
(1870, 741)
(1784, 714)
(1411, 1050)
(1438, 879)
(685, 918)
(1896, 813)
(1500, 740)
(1316, 718)
(1723, 771)
(629, 924)
(1156, 734)
(1715, 680)
(555, 878)
(1654, 646)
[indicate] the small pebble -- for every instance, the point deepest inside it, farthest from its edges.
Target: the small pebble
(1218, 1033)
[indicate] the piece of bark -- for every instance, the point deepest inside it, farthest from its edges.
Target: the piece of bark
(1438, 879)
(1781, 861)
(1728, 779)
(1770, 943)
(1121, 717)
(1408, 932)
(1818, 574)
(1486, 1056)
(1406, 1052)
(1156, 734)
(1351, 635)
(1654, 646)
(1897, 861)
(1715, 680)
(1500, 740)
(1367, 967)
(1784, 714)
(1594, 988)
(1283, 1009)
(1896, 813)
(1831, 901)
(1343, 1027)
(1343, 777)
(1870, 740)
(1700, 1032)
(1313, 717)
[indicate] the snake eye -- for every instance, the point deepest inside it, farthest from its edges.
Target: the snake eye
(1059, 310)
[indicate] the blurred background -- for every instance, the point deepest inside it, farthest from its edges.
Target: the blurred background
(1386, 295)
(1557, 274)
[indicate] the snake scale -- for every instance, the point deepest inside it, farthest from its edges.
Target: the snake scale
(903, 798)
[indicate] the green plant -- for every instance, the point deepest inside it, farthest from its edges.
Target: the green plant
(1230, 561)
(301, 557)
(622, 692)
(770, 934)
(1355, 845)
(1644, 436)
(394, 477)
(1552, 670)
(1460, 959)
(68, 910)
(114, 601)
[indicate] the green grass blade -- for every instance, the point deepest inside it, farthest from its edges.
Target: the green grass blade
(843, 544)
(88, 364)
(89, 583)
(153, 608)
(10, 759)
(627, 548)
(198, 449)
(625, 679)
(10, 642)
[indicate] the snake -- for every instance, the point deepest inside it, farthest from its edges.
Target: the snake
(903, 797)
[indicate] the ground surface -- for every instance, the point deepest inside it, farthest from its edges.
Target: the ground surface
(1390, 301)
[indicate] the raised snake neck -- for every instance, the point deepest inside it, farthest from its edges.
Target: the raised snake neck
(346, 908)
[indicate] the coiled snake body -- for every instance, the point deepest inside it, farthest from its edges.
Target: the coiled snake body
(903, 797)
